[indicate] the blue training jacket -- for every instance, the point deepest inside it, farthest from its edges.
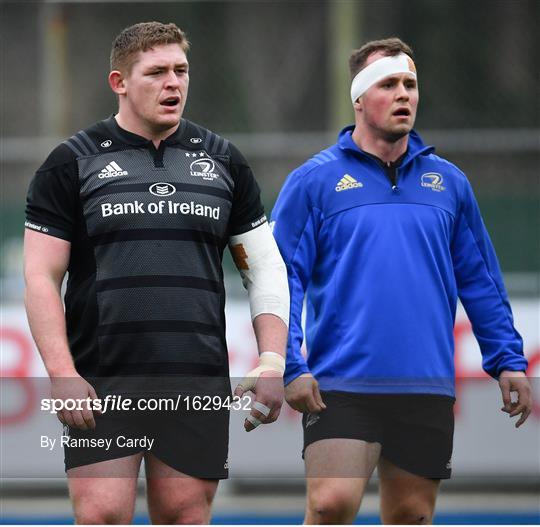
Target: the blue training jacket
(383, 263)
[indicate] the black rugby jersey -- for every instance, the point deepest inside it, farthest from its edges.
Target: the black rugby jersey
(147, 228)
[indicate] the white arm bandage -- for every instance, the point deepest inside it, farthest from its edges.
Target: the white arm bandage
(263, 272)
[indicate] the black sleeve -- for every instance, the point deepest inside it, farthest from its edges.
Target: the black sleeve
(247, 209)
(52, 195)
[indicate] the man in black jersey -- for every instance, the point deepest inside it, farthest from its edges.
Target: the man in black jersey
(138, 209)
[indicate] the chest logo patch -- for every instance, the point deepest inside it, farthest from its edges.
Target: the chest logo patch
(432, 180)
(204, 168)
(162, 189)
(112, 170)
(347, 182)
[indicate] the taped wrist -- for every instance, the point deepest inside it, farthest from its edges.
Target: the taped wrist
(269, 361)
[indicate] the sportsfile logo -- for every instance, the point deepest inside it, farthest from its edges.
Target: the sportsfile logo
(432, 180)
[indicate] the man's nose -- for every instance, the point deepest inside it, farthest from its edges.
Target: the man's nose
(402, 92)
(172, 79)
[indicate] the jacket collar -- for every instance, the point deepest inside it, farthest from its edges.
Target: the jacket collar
(415, 147)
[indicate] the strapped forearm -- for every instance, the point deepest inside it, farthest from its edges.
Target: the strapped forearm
(263, 272)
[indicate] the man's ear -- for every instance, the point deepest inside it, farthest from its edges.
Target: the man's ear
(357, 105)
(117, 82)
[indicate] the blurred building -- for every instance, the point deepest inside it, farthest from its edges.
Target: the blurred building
(273, 77)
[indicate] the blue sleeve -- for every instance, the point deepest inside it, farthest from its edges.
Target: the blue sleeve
(295, 225)
(482, 292)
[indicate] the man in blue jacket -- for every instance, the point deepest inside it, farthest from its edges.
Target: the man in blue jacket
(384, 236)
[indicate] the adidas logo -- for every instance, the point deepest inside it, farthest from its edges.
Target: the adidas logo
(347, 182)
(112, 170)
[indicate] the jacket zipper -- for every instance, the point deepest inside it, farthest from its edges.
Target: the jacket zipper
(392, 174)
(390, 169)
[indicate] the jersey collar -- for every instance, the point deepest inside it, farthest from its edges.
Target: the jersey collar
(129, 138)
(415, 147)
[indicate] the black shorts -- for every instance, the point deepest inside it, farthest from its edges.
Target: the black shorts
(195, 442)
(416, 432)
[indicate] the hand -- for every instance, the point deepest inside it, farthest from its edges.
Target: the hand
(268, 392)
(77, 389)
(303, 394)
(516, 381)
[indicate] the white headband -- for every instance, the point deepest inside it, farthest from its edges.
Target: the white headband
(378, 70)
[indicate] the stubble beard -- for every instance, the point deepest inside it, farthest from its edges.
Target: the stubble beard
(394, 133)
(171, 121)
(394, 136)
